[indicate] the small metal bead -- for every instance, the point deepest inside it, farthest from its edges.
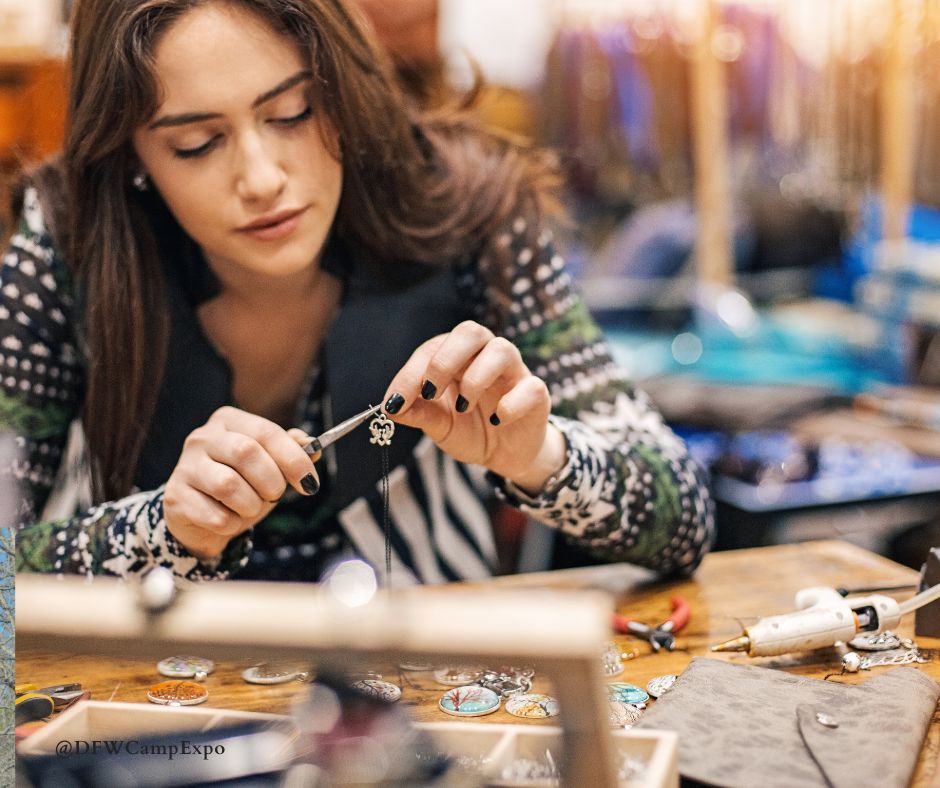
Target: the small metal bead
(851, 662)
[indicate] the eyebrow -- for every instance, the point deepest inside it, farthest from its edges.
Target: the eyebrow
(197, 117)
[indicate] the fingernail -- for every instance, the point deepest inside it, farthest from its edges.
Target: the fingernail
(310, 484)
(428, 390)
(461, 403)
(494, 420)
(394, 403)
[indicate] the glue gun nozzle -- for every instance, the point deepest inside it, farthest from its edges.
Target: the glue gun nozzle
(741, 643)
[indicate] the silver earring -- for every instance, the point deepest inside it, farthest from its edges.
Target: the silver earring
(140, 182)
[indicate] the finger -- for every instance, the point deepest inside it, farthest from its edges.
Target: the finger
(528, 398)
(228, 486)
(293, 462)
(459, 348)
(250, 460)
(432, 418)
(303, 439)
(496, 368)
(205, 513)
(404, 390)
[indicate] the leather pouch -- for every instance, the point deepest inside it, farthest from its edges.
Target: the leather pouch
(744, 726)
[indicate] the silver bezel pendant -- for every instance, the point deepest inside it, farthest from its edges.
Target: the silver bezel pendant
(382, 429)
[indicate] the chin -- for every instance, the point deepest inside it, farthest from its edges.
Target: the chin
(285, 267)
(290, 260)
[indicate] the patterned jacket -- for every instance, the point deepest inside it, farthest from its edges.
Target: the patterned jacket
(629, 490)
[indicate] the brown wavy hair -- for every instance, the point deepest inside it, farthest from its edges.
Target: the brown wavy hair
(424, 188)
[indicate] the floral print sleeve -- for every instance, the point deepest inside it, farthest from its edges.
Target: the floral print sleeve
(629, 490)
(41, 390)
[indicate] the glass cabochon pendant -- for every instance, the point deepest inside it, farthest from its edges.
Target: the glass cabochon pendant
(533, 706)
(184, 667)
(473, 701)
(660, 685)
(623, 715)
(271, 673)
(626, 693)
(382, 690)
(177, 693)
(382, 429)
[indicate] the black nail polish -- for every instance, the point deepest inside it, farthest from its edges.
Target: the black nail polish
(461, 404)
(428, 390)
(394, 403)
(310, 484)
(494, 420)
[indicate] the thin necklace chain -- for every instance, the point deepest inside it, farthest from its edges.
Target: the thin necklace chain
(386, 519)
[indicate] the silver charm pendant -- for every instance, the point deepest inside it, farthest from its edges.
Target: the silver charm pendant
(382, 429)
(883, 641)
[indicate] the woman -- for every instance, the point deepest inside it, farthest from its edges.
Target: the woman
(258, 240)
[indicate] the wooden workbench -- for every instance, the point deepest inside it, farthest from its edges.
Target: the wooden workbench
(729, 587)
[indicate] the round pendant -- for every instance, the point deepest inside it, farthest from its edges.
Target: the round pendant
(382, 690)
(469, 701)
(186, 667)
(884, 641)
(415, 666)
(457, 676)
(623, 715)
(626, 693)
(177, 693)
(660, 685)
(270, 673)
(532, 706)
(517, 671)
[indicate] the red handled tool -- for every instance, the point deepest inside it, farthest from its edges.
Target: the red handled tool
(662, 636)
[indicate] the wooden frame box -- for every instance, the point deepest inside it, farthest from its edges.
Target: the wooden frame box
(561, 634)
(494, 746)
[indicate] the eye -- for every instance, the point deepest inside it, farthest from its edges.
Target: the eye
(191, 153)
(294, 119)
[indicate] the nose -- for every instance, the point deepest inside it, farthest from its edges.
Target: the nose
(260, 178)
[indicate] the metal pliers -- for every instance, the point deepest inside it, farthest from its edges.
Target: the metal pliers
(34, 703)
(315, 446)
(659, 637)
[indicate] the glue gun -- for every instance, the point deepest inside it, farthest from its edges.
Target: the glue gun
(822, 618)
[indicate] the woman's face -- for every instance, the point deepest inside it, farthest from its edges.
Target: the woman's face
(235, 148)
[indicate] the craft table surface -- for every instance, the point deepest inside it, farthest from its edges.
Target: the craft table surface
(729, 588)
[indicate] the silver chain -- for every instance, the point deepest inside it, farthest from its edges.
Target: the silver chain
(898, 656)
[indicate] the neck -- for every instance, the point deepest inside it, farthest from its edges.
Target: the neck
(258, 291)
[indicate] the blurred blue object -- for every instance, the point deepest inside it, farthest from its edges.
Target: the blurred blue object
(656, 242)
(897, 286)
(705, 446)
(752, 473)
(923, 225)
(773, 353)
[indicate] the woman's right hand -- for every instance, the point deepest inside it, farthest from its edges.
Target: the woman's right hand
(230, 475)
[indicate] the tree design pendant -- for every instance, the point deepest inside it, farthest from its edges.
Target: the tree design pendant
(382, 429)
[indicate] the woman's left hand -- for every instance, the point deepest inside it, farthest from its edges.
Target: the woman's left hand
(473, 395)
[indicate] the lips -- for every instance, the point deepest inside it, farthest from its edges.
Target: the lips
(273, 226)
